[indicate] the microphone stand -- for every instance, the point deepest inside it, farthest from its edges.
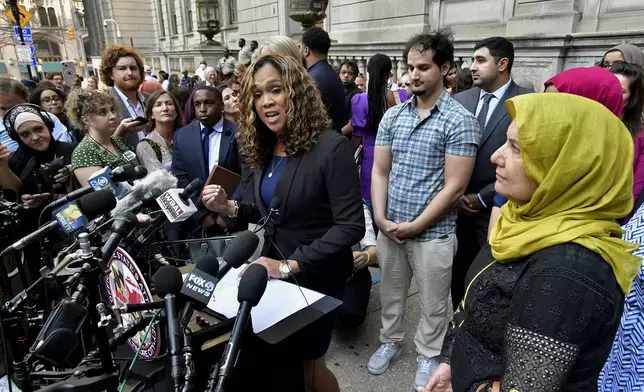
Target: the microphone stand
(189, 368)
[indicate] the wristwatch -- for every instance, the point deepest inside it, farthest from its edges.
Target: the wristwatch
(285, 269)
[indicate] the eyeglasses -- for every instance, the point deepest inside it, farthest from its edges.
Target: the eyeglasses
(51, 99)
(404, 84)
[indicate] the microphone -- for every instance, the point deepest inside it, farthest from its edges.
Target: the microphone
(238, 252)
(190, 190)
(88, 207)
(272, 211)
(199, 286)
(160, 179)
(176, 204)
(103, 180)
(148, 199)
(251, 289)
(142, 307)
(167, 283)
(123, 224)
(140, 171)
(118, 175)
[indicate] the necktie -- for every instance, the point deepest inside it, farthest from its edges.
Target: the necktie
(205, 144)
(482, 117)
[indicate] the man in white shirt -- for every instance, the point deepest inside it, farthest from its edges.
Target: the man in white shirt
(148, 74)
(201, 70)
(227, 64)
(245, 52)
(12, 93)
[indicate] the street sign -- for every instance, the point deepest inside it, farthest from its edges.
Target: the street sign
(25, 16)
(32, 50)
(26, 34)
(24, 54)
(34, 62)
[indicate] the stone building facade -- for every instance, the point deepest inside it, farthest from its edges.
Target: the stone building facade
(549, 35)
(52, 42)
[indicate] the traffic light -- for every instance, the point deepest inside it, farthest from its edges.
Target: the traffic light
(71, 34)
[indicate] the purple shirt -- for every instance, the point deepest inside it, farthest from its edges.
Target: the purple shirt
(360, 113)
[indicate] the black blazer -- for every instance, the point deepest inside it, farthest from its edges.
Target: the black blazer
(188, 161)
(332, 92)
(493, 137)
(320, 211)
(133, 138)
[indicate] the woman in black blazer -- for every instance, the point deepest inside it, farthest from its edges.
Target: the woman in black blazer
(296, 159)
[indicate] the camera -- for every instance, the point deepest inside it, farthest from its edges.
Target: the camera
(48, 171)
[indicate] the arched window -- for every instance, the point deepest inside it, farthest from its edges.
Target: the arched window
(43, 17)
(53, 21)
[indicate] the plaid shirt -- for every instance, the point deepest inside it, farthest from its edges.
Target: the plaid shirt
(418, 148)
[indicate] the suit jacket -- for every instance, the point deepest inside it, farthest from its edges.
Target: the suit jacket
(320, 211)
(493, 137)
(188, 160)
(133, 138)
(331, 91)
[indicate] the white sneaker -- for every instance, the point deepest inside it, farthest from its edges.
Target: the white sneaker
(426, 367)
(380, 361)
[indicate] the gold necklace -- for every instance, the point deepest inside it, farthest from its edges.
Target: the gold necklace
(274, 167)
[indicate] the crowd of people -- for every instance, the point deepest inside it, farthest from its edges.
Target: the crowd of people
(504, 205)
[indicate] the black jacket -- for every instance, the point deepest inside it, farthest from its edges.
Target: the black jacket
(493, 137)
(320, 211)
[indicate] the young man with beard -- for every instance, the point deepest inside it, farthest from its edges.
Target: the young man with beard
(491, 67)
(424, 156)
(122, 71)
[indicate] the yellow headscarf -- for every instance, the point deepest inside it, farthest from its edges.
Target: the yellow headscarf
(581, 157)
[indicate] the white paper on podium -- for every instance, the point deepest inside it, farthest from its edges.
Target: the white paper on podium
(280, 300)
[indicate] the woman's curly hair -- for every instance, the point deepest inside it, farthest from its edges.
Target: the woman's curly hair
(82, 104)
(111, 56)
(306, 115)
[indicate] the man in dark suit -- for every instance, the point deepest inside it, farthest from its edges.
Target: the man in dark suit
(491, 67)
(204, 143)
(315, 50)
(122, 70)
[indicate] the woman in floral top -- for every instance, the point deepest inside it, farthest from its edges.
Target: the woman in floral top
(94, 114)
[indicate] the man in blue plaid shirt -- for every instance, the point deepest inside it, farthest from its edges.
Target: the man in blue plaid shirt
(424, 157)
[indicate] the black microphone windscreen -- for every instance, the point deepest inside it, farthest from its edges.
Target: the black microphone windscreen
(252, 284)
(140, 172)
(208, 265)
(241, 249)
(168, 280)
(56, 164)
(97, 203)
(275, 203)
(123, 173)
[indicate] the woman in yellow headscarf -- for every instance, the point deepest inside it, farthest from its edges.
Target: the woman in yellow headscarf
(544, 300)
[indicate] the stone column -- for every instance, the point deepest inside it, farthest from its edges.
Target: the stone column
(402, 67)
(394, 69)
(362, 66)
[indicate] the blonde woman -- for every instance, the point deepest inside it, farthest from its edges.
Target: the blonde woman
(280, 44)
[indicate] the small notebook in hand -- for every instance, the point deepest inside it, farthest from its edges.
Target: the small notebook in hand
(224, 178)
